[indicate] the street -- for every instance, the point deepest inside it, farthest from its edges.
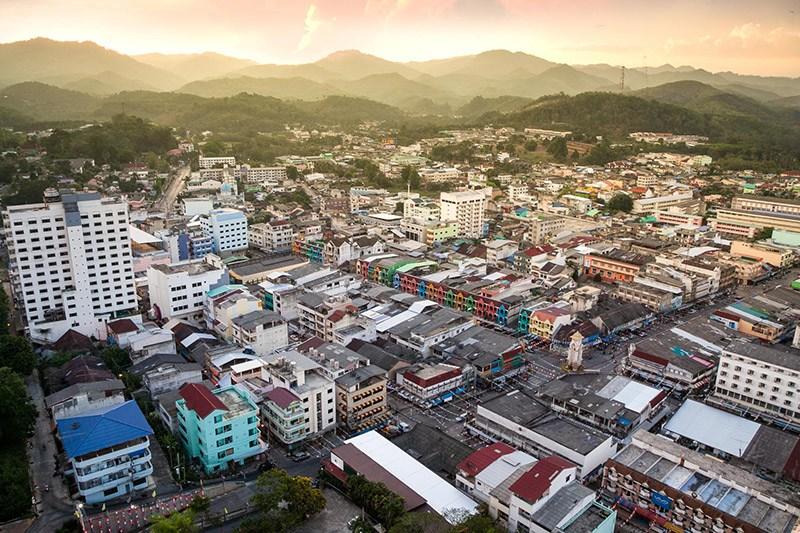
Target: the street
(173, 189)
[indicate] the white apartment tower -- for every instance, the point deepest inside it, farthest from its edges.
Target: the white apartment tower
(465, 209)
(70, 263)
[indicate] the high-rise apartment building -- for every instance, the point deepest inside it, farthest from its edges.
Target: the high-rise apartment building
(70, 263)
(465, 209)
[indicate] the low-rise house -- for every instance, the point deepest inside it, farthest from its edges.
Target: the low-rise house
(263, 331)
(108, 452)
(82, 397)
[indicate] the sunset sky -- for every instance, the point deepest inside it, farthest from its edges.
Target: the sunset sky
(746, 36)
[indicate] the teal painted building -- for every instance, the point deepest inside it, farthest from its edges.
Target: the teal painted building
(220, 427)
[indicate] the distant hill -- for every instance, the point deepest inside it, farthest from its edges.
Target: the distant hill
(491, 64)
(45, 102)
(704, 98)
(195, 66)
(392, 89)
(106, 83)
(284, 88)
(10, 118)
(608, 114)
(790, 102)
(59, 63)
(558, 79)
(502, 104)
(352, 65)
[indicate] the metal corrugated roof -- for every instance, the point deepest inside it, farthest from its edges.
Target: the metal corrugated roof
(102, 428)
(713, 427)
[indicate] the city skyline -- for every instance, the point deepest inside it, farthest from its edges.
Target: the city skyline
(713, 35)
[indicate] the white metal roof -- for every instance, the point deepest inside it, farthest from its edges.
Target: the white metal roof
(636, 396)
(438, 493)
(141, 236)
(713, 427)
(505, 465)
(399, 318)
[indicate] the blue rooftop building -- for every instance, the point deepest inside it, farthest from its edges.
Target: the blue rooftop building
(108, 451)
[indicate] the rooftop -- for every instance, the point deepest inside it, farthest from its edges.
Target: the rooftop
(102, 428)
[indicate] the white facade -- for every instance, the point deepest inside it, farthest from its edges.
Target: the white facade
(465, 209)
(197, 206)
(263, 331)
(71, 264)
(179, 289)
(211, 162)
(262, 174)
(307, 380)
(227, 228)
(659, 203)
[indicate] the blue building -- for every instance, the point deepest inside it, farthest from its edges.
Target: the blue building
(108, 451)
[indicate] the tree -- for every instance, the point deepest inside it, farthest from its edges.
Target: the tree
(16, 353)
(411, 177)
(116, 359)
(477, 523)
(283, 501)
(378, 500)
(763, 233)
(531, 145)
(292, 173)
(420, 523)
(16, 410)
(620, 202)
(558, 148)
(182, 522)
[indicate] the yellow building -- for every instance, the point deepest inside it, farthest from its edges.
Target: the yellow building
(776, 257)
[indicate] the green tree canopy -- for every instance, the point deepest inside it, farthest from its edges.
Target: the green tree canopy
(16, 410)
(182, 522)
(620, 202)
(558, 148)
(283, 502)
(16, 353)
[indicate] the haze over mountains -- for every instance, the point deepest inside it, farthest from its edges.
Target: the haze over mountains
(434, 86)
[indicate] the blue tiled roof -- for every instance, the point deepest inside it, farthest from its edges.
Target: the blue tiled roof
(102, 428)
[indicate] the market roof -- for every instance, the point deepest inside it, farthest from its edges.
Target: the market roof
(439, 494)
(713, 427)
(102, 428)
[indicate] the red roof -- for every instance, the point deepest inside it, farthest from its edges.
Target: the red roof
(724, 314)
(478, 460)
(282, 397)
(534, 483)
(125, 325)
(337, 315)
(201, 400)
(650, 357)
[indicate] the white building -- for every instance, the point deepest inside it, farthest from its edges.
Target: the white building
(465, 209)
(660, 203)
(262, 174)
(227, 228)
(306, 379)
(108, 452)
(263, 331)
(70, 263)
(211, 162)
(179, 289)
(197, 206)
(82, 397)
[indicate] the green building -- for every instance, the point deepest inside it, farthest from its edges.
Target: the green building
(219, 427)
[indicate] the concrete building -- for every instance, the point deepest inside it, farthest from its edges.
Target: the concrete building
(466, 209)
(284, 416)
(179, 289)
(306, 380)
(219, 427)
(519, 420)
(70, 263)
(767, 204)
(82, 397)
(276, 236)
(673, 487)
(227, 229)
(615, 266)
(361, 399)
(193, 207)
(224, 304)
(211, 162)
(429, 232)
(643, 206)
(108, 452)
(771, 255)
(263, 331)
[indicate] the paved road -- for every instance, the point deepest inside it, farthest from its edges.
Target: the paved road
(173, 189)
(54, 506)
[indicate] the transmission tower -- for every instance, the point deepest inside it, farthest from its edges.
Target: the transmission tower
(622, 80)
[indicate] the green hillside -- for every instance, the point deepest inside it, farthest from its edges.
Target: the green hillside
(285, 88)
(45, 102)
